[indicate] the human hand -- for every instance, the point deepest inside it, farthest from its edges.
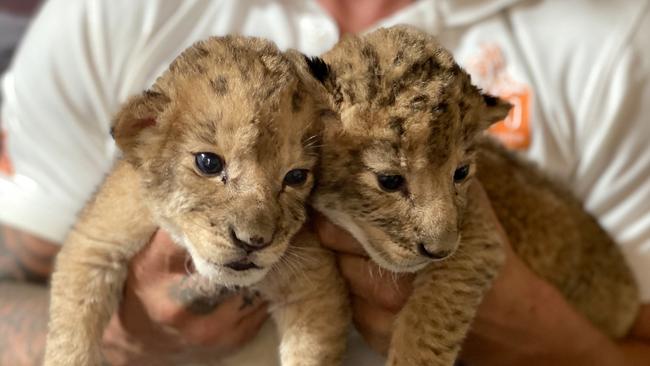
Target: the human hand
(524, 320)
(163, 319)
(376, 294)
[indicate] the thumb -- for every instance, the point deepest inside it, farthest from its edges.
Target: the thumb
(160, 256)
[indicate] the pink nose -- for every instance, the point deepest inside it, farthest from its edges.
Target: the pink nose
(436, 255)
(250, 244)
(440, 247)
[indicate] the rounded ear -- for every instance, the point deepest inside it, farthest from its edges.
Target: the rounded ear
(494, 110)
(318, 68)
(313, 71)
(315, 75)
(139, 114)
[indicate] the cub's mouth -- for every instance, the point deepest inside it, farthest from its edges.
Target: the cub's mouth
(242, 271)
(242, 265)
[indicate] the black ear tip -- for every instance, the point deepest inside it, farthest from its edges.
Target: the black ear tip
(112, 132)
(490, 100)
(318, 68)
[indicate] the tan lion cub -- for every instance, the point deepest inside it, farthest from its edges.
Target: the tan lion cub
(396, 173)
(219, 153)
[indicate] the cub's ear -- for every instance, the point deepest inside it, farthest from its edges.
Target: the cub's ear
(134, 123)
(318, 68)
(315, 74)
(494, 109)
(310, 68)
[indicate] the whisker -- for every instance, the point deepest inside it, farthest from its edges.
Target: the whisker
(310, 139)
(315, 146)
(294, 262)
(197, 224)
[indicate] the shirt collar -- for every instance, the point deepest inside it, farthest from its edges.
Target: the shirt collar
(464, 12)
(433, 16)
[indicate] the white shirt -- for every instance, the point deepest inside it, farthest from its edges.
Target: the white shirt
(580, 71)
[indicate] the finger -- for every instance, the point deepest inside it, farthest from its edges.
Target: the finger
(161, 255)
(373, 323)
(222, 325)
(242, 306)
(159, 264)
(249, 326)
(179, 299)
(233, 340)
(225, 314)
(152, 283)
(380, 287)
(336, 238)
(155, 302)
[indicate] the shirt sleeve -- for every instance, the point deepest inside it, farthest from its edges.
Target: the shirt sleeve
(55, 116)
(613, 167)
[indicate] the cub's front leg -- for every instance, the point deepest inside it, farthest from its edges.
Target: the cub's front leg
(309, 305)
(431, 327)
(91, 269)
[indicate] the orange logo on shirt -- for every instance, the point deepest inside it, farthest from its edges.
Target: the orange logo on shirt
(5, 165)
(489, 70)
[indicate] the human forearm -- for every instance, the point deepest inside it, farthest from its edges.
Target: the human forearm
(23, 323)
(529, 323)
(572, 340)
(25, 257)
(25, 265)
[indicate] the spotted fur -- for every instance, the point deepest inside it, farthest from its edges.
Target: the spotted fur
(407, 108)
(234, 97)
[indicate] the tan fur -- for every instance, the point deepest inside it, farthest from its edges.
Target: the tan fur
(407, 108)
(261, 111)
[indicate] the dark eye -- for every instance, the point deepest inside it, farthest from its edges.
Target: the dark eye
(296, 177)
(209, 163)
(390, 183)
(461, 173)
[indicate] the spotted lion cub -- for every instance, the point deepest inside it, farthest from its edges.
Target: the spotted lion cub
(219, 153)
(397, 171)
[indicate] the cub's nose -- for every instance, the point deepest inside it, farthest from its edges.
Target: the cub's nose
(434, 254)
(250, 243)
(441, 247)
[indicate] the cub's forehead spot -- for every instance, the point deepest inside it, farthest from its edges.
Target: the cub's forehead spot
(408, 142)
(230, 65)
(220, 85)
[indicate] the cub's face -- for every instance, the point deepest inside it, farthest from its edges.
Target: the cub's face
(226, 143)
(395, 171)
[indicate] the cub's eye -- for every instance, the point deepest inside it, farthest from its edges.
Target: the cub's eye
(390, 183)
(208, 163)
(296, 177)
(461, 173)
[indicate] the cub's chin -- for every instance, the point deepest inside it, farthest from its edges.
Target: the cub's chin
(399, 264)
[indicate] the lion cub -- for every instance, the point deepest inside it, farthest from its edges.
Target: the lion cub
(396, 173)
(219, 153)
